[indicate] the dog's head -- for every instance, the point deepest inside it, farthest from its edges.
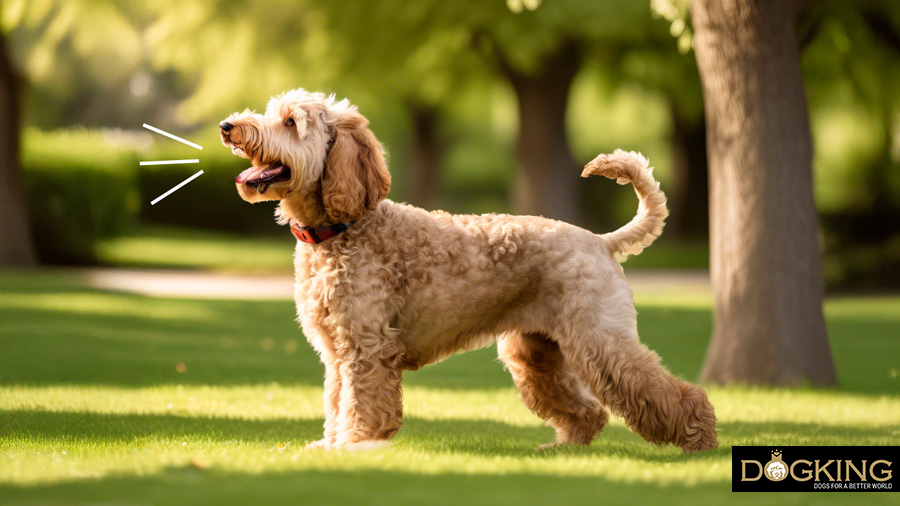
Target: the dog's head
(312, 153)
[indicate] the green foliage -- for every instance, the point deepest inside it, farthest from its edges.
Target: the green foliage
(84, 185)
(863, 264)
(237, 55)
(450, 39)
(82, 59)
(111, 63)
(80, 187)
(677, 13)
(852, 64)
(93, 408)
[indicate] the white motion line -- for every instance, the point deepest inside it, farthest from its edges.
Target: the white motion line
(167, 134)
(170, 162)
(186, 181)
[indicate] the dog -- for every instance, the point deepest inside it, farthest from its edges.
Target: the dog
(383, 287)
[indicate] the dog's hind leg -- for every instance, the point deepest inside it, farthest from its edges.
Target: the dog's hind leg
(550, 389)
(629, 379)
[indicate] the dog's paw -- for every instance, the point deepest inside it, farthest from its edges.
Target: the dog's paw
(553, 446)
(363, 446)
(561, 445)
(322, 443)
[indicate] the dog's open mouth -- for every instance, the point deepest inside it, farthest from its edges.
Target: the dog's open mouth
(264, 175)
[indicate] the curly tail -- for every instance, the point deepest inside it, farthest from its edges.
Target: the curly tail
(648, 223)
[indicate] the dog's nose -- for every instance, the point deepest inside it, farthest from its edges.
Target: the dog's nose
(226, 126)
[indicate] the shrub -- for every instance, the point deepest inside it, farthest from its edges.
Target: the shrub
(80, 187)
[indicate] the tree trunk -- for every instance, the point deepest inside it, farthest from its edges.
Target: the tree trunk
(16, 243)
(428, 148)
(689, 200)
(765, 260)
(547, 181)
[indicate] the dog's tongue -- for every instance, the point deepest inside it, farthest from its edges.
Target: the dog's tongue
(252, 172)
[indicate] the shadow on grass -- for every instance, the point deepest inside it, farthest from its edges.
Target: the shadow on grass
(186, 485)
(459, 436)
(466, 436)
(101, 427)
(487, 438)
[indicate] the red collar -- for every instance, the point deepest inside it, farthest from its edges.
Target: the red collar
(315, 235)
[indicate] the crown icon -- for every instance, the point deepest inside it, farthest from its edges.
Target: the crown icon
(775, 469)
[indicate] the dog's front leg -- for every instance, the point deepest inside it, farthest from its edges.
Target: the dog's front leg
(371, 404)
(331, 402)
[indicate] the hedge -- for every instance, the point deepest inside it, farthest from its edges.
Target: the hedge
(80, 187)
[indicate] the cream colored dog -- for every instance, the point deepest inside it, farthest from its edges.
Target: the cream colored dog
(383, 287)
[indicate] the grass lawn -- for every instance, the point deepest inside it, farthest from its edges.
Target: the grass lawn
(111, 398)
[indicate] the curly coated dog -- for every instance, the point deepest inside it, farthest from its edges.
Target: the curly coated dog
(383, 287)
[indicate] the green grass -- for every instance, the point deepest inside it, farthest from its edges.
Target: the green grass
(93, 409)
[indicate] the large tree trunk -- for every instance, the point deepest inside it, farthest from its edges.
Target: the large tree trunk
(765, 260)
(689, 201)
(428, 148)
(16, 244)
(548, 176)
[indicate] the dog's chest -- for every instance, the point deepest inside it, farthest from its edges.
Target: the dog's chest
(331, 288)
(316, 278)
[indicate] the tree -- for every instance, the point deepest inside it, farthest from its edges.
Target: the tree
(237, 55)
(545, 185)
(46, 27)
(431, 50)
(540, 48)
(535, 47)
(765, 259)
(68, 63)
(689, 199)
(428, 148)
(674, 75)
(16, 242)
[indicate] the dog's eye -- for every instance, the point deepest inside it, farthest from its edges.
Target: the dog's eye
(289, 122)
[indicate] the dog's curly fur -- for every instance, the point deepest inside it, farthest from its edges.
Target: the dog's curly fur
(404, 287)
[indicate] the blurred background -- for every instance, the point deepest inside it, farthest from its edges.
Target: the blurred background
(472, 99)
(163, 359)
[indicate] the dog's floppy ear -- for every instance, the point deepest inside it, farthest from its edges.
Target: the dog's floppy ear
(356, 177)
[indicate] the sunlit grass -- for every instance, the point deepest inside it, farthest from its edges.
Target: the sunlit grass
(57, 432)
(95, 408)
(102, 304)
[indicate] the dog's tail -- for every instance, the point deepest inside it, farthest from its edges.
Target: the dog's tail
(648, 223)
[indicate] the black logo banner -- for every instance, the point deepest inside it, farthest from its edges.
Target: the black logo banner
(814, 468)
